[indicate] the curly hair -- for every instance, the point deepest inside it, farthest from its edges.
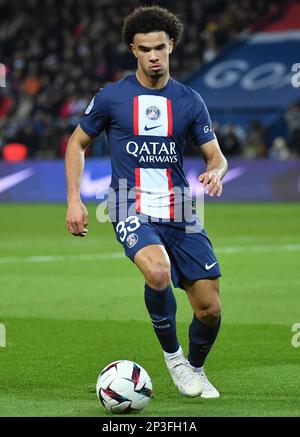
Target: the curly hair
(146, 19)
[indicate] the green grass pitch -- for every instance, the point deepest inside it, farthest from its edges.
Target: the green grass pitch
(71, 306)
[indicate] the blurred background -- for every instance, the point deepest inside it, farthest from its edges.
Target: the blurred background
(237, 54)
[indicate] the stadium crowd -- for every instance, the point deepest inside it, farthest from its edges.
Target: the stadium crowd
(58, 53)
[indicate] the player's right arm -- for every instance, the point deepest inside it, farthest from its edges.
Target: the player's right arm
(77, 215)
(92, 123)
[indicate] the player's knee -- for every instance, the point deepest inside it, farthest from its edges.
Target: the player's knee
(158, 277)
(209, 315)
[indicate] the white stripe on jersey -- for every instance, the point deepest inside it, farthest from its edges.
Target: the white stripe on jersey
(153, 122)
(155, 192)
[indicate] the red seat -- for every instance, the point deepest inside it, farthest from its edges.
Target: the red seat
(14, 152)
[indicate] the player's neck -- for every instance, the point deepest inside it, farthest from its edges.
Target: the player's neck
(152, 83)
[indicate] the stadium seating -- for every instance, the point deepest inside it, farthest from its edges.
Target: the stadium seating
(58, 54)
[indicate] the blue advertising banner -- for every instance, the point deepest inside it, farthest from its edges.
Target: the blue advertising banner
(44, 181)
(257, 74)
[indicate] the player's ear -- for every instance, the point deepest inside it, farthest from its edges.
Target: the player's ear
(133, 49)
(171, 45)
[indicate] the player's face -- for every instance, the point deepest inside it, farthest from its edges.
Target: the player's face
(152, 51)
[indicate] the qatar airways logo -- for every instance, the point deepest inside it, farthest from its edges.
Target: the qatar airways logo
(153, 151)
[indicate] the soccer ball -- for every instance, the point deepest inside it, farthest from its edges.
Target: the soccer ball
(123, 387)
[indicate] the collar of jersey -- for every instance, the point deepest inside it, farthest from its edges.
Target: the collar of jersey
(155, 90)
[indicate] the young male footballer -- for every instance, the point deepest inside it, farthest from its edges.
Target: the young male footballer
(148, 117)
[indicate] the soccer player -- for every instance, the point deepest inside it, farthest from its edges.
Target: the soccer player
(147, 117)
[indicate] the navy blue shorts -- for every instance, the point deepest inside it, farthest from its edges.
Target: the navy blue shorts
(191, 254)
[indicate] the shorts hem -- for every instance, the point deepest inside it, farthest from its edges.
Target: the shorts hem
(177, 283)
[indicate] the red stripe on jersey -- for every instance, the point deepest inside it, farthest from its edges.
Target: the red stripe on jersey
(170, 118)
(136, 115)
(138, 190)
(170, 186)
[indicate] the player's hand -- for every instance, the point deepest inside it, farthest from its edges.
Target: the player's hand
(77, 219)
(212, 183)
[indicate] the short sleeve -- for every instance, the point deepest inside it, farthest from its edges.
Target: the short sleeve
(94, 120)
(202, 130)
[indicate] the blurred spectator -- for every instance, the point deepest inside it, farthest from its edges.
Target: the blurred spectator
(59, 53)
(210, 51)
(294, 142)
(30, 139)
(279, 149)
(256, 144)
(231, 142)
(292, 117)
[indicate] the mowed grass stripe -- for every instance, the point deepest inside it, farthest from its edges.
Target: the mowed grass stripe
(66, 320)
(50, 369)
(119, 255)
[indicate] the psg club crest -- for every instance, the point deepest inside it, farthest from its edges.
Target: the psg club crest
(131, 240)
(153, 113)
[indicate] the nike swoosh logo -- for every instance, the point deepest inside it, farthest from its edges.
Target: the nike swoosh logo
(210, 266)
(94, 187)
(10, 181)
(146, 128)
(233, 174)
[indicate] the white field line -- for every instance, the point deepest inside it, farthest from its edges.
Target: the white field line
(59, 258)
(120, 255)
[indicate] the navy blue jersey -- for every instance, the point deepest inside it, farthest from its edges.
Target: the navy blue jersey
(147, 130)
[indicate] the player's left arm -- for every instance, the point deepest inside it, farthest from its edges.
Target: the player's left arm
(216, 168)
